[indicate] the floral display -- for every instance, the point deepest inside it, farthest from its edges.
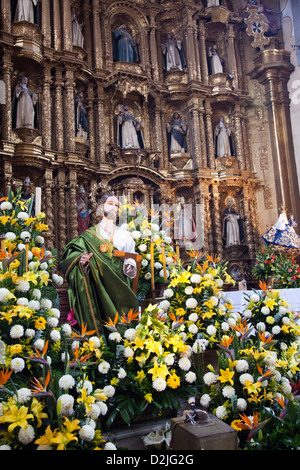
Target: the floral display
(145, 229)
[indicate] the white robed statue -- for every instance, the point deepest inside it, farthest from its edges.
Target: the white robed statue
(24, 102)
(25, 10)
(223, 135)
(233, 233)
(129, 130)
(214, 59)
(77, 36)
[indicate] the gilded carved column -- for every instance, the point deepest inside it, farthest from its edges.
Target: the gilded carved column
(7, 177)
(202, 137)
(273, 69)
(208, 239)
(196, 140)
(67, 28)
(210, 135)
(69, 109)
(100, 124)
(97, 40)
(90, 103)
(197, 53)
(248, 223)
(153, 48)
(239, 144)
(57, 29)
(61, 212)
(232, 66)
(46, 108)
(48, 203)
(72, 205)
(58, 111)
(87, 34)
(6, 15)
(189, 43)
(7, 70)
(203, 54)
(46, 23)
(217, 220)
(158, 138)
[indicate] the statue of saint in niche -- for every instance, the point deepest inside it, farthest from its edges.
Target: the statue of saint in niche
(233, 233)
(214, 61)
(173, 54)
(77, 36)
(124, 48)
(176, 135)
(129, 133)
(24, 106)
(223, 145)
(25, 11)
(81, 123)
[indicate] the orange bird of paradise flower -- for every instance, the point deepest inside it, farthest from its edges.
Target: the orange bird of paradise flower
(131, 316)
(4, 376)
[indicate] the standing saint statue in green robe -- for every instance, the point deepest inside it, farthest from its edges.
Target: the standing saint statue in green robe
(99, 283)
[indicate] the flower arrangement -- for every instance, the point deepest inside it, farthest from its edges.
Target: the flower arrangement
(155, 365)
(47, 398)
(284, 270)
(146, 229)
(196, 302)
(265, 263)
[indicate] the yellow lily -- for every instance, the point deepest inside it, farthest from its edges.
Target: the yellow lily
(17, 417)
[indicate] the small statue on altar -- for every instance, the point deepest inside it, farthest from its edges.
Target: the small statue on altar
(77, 36)
(283, 233)
(81, 123)
(83, 213)
(24, 106)
(177, 132)
(26, 194)
(129, 132)
(185, 232)
(173, 54)
(214, 61)
(223, 140)
(124, 48)
(233, 233)
(25, 11)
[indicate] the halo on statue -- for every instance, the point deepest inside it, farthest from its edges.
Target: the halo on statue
(104, 187)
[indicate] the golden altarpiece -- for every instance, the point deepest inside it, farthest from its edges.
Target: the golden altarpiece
(248, 89)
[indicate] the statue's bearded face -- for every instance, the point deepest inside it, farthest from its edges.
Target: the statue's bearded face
(111, 207)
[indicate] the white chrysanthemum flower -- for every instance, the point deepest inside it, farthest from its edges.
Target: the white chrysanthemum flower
(184, 363)
(87, 433)
(122, 373)
(242, 365)
(67, 330)
(66, 382)
(221, 412)
(17, 364)
(270, 360)
(109, 446)
(130, 334)
(6, 206)
(228, 391)
(85, 384)
(94, 412)
(162, 274)
(147, 276)
(93, 340)
(22, 301)
(193, 317)
(60, 281)
(242, 404)
(205, 400)
(115, 336)
(36, 293)
(214, 299)
(24, 394)
(211, 330)
(254, 297)
(103, 367)
(168, 293)
(23, 216)
(193, 329)
(286, 388)
(144, 262)
(247, 313)
(286, 320)
(103, 408)
(189, 290)
(143, 247)
(109, 391)
(195, 278)
(25, 235)
(154, 227)
(26, 436)
(159, 384)
(191, 303)
(164, 305)
(30, 333)
(225, 326)
(219, 282)
(39, 239)
(23, 286)
(246, 377)
(190, 377)
(261, 326)
(283, 346)
(265, 310)
(200, 345)
(55, 312)
(276, 330)
(46, 304)
(34, 305)
(55, 336)
(17, 331)
(210, 378)
(39, 344)
(10, 236)
(169, 359)
(128, 352)
(136, 234)
(231, 322)
(52, 322)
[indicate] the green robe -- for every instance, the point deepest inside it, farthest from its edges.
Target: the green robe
(103, 290)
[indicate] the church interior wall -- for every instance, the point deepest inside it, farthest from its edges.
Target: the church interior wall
(85, 80)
